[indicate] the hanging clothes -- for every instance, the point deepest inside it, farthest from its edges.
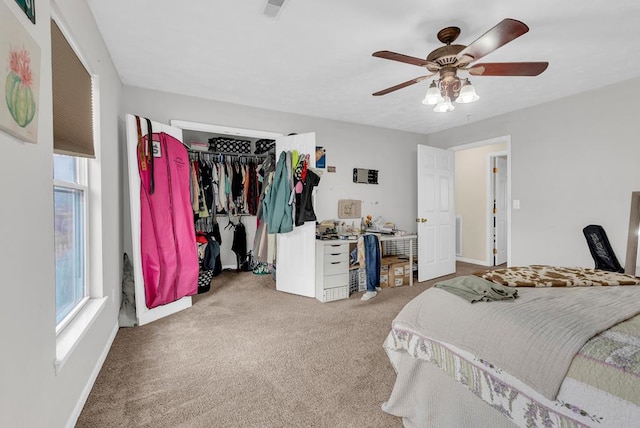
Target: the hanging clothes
(305, 210)
(239, 246)
(206, 180)
(263, 172)
(264, 175)
(167, 237)
(195, 187)
(203, 211)
(298, 183)
(222, 185)
(250, 188)
(214, 187)
(369, 257)
(215, 234)
(277, 211)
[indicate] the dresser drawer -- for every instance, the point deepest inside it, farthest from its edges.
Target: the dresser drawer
(330, 259)
(333, 281)
(336, 267)
(337, 248)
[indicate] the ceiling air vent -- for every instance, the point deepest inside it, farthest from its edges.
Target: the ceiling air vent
(273, 8)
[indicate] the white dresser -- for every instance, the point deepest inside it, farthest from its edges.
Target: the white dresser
(332, 270)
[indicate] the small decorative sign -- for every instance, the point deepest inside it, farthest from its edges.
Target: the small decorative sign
(29, 8)
(367, 176)
(321, 157)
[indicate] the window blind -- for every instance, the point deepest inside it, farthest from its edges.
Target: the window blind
(72, 99)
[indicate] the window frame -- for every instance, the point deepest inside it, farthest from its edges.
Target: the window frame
(82, 185)
(69, 336)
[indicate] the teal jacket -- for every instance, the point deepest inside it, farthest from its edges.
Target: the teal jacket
(277, 211)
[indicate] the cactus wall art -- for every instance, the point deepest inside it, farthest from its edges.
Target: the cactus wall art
(19, 78)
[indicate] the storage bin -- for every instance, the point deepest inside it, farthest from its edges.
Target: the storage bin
(357, 280)
(336, 293)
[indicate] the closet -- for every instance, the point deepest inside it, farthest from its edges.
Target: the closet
(295, 267)
(236, 147)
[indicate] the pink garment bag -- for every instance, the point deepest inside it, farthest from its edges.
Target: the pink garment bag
(167, 234)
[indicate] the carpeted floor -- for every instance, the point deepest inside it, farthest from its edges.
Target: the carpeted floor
(246, 355)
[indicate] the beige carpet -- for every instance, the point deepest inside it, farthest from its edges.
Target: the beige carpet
(246, 355)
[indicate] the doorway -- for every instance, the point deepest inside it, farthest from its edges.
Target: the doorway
(499, 202)
(482, 201)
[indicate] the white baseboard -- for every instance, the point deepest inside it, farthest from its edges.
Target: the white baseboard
(92, 379)
(472, 261)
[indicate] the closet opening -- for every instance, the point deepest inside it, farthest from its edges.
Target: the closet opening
(241, 150)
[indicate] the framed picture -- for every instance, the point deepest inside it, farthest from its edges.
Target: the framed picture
(29, 8)
(19, 78)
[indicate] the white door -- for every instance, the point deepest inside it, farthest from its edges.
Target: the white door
(436, 213)
(500, 213)
(296, 250)
(144, 314)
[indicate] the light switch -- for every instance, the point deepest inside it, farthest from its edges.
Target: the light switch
(516, 204)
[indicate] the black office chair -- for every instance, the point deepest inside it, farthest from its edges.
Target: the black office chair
(600, 249)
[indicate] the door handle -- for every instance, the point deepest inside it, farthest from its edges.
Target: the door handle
(421, 220)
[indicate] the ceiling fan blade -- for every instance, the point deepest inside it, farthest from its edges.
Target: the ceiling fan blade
(504, 32)
(508, 69)
(401, 85)
(407, 59)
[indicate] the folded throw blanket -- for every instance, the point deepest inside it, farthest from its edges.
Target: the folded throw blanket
(475, 289)
(554, 276)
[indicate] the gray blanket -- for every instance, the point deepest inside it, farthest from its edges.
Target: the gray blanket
(475, 289)
(534, 337)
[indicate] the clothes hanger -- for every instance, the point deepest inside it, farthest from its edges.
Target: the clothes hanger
(230, 224)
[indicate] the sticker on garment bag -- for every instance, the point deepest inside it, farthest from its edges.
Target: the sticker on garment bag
(157, 151)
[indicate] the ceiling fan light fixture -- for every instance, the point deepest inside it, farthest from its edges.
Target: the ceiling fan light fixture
(467, 93)
(433, 96)
(444, 106)
(447, 60)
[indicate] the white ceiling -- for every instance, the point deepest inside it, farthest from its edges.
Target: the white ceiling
(315, 59)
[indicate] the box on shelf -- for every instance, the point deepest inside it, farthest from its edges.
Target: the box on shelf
(399, 274)
(385, 263)
(384, 280)
(358, 275)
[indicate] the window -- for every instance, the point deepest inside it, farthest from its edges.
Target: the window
(70, 208)
(73, 143)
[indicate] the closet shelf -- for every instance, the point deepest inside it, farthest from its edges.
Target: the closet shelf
(247, 155)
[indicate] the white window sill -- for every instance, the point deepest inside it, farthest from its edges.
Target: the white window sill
(70, 337)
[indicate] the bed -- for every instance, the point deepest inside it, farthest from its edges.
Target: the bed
(555, 356)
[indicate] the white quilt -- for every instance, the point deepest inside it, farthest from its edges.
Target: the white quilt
(534, 337)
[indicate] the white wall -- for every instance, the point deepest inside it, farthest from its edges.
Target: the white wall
(574, 162)
(31, 394)
(348, 146)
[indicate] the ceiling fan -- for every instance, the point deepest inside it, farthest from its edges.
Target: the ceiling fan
(447, 60)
